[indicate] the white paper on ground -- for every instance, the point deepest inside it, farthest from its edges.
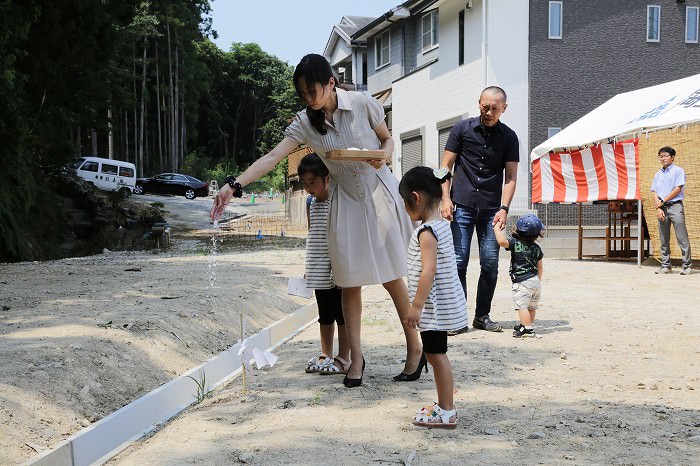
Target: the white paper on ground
(263, 358)
(297, 287)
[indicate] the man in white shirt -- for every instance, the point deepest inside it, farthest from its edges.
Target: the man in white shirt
(668, 196)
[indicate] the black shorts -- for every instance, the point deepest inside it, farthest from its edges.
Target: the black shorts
(434, 341)
(330, 306)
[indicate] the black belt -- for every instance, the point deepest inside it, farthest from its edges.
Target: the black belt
(667, 204)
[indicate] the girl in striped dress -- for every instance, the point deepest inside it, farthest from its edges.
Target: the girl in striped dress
(438, 304)
(315, 178)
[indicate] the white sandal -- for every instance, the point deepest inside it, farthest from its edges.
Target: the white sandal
(316, 363)
(435, 416)
(337, 365)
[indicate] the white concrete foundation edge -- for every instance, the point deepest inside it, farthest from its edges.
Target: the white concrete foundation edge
(110, 435)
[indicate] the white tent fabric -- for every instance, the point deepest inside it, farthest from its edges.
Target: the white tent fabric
(652, 108)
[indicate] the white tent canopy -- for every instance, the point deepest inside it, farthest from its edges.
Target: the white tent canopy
(653, 108)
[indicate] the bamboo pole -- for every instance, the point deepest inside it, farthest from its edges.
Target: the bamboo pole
(243, 371)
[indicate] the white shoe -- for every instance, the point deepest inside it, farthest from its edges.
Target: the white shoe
(686, 271)
(664, 270)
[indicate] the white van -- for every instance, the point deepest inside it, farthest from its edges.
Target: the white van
(106, 174)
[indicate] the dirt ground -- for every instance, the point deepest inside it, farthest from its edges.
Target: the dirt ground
(613, 378)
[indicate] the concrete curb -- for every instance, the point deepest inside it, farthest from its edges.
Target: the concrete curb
(110, 435)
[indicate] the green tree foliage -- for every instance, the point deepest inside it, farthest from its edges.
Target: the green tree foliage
(135, 80)
(16, 191)
(248, 104)
(56, 60)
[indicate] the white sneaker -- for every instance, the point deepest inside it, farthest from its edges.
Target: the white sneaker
(664, 270)
(686, 271)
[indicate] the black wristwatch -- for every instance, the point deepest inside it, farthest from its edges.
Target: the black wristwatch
(235, 186)
(504, 207)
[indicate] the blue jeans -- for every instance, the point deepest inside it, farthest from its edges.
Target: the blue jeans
(464, 220)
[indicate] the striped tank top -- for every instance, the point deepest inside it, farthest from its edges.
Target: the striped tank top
(446, 307)
(318, 261)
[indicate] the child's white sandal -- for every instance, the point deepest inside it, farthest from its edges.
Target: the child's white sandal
(336, 365)
(435, 416)
(316, 363)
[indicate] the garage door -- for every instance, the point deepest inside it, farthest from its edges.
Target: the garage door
(411, 153)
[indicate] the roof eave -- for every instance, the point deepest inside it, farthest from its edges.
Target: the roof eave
(381, 22)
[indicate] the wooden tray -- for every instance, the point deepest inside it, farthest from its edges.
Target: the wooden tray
(354, 154)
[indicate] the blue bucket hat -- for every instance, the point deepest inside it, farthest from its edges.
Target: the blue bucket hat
(529, 225)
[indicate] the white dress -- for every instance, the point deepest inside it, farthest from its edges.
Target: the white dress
(368, 227)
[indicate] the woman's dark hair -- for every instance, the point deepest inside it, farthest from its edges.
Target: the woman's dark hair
(312, 163)
(315, 69)
(424, 180)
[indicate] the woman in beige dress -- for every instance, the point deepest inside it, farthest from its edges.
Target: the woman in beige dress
(368, 228)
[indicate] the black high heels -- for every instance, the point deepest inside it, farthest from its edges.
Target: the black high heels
(403, 377)
(352, 383)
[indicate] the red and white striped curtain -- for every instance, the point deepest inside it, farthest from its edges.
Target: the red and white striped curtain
(605, 172)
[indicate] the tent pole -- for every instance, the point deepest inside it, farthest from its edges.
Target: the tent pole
(639, 233)
(580, 231)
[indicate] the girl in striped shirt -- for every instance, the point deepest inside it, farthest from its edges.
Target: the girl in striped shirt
(438, 304)
(315, 178)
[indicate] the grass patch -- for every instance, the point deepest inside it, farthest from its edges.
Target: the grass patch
(202, 389)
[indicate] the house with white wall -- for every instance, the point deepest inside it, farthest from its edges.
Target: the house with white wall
(435, 57)
(428, 60)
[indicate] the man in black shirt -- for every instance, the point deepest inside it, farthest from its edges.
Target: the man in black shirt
(481, 150)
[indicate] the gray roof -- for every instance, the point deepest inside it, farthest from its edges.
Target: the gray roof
(354, 23)
(347, 26)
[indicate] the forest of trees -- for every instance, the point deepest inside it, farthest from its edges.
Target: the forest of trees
(139, 81)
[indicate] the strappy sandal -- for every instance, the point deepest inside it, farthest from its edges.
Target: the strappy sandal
(316, 363)
(337, 366)
(435, 416)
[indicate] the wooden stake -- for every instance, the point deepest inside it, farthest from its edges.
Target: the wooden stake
(243, 354)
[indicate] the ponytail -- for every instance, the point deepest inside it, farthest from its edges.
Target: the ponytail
(317, 119)
(425, 180)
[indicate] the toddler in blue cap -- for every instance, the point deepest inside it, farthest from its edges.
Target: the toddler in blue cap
(525, 270)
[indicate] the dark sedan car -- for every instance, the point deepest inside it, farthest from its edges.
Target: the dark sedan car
(172, 183)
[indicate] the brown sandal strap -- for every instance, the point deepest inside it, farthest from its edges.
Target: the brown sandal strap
(342, 361)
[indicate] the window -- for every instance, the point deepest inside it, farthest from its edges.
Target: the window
(551, 131)
(691, 24)
(461, 37)
(430, 23)
(411, 153)
(108, 169)
(555, 20)
(382, 50)
(76, 164)
(90, 167)
(653, 23)
(126, 171)
(443, 134)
